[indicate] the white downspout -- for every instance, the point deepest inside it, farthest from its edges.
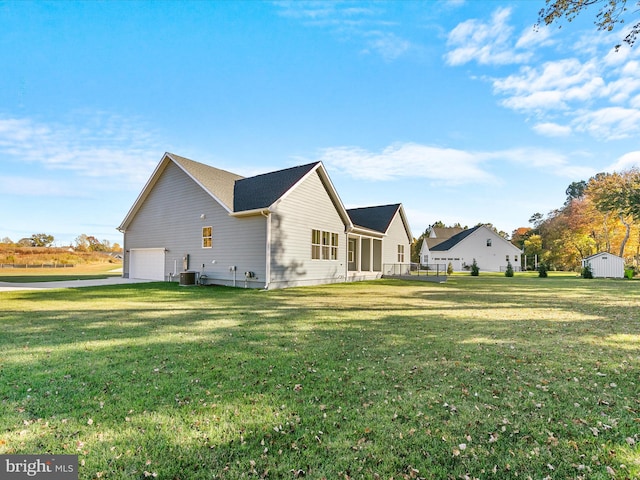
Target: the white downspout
(267, 269)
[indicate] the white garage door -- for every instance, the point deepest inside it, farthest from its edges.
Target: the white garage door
(146, 263)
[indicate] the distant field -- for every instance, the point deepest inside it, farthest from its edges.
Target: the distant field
(478, 377)
(88, 271)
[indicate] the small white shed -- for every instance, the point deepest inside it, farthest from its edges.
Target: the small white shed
(605, 265)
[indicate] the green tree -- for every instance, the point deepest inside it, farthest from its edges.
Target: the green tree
(575, 191)
(614, 194)
(41, 240)
(542, 270)
(475, 270)
(509, 271)
(536, 220)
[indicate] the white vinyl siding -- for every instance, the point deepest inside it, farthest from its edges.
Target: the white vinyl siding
(474, 246)
(173, 216)
(396, 237)
(307, 207)
(605, 265)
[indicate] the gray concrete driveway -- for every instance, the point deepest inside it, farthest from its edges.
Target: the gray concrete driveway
(9, 286)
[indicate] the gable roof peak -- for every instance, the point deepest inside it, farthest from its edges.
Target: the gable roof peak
(263, 190)
(376, 218)
(219, 183)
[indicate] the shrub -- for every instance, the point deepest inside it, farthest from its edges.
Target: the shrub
(475, 270)
(449, 269)
(542, 270)
(509, 271)
(587, 272)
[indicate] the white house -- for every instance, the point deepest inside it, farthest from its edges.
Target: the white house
(491, 252)
(436, 236)
(605, 265)
(279, 229)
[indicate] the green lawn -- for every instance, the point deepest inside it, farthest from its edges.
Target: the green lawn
(479, 377)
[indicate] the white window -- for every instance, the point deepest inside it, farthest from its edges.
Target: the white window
(315, 244)
(334, 246)
(324, 245)
(207, 237)
(488, 242)
(400, 253)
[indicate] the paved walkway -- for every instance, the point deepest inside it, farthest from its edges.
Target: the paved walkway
(9, 286)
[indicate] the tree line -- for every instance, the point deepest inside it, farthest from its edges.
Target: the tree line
(82, 243)
(601, 214)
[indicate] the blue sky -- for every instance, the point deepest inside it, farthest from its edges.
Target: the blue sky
(461, 111)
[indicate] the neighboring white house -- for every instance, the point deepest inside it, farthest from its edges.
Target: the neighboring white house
(491, 252)
(605, 265)
(436, 236)
(280, 229)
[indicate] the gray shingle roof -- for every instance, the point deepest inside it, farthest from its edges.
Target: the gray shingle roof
(219, 182)
(374, 218)
(453, 241)
(263, 190)
(442, 234)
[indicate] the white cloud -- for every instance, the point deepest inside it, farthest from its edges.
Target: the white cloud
(596, 88)
(100, 146)
(550, 87)
(611, 123)
(366, 25)
(547, 161)
(550, 129)
(489, 43)
(388, 45)
(443, 166)
(35, 187)
(625, 162)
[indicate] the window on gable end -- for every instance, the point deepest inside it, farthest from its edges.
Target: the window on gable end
(488, 242)
(207, 237)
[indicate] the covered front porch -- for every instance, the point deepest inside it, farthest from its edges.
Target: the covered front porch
(364, 255)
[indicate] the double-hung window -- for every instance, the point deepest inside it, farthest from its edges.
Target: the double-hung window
(207, 237)
(334, 246)
(316, 236)
(400, 253)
